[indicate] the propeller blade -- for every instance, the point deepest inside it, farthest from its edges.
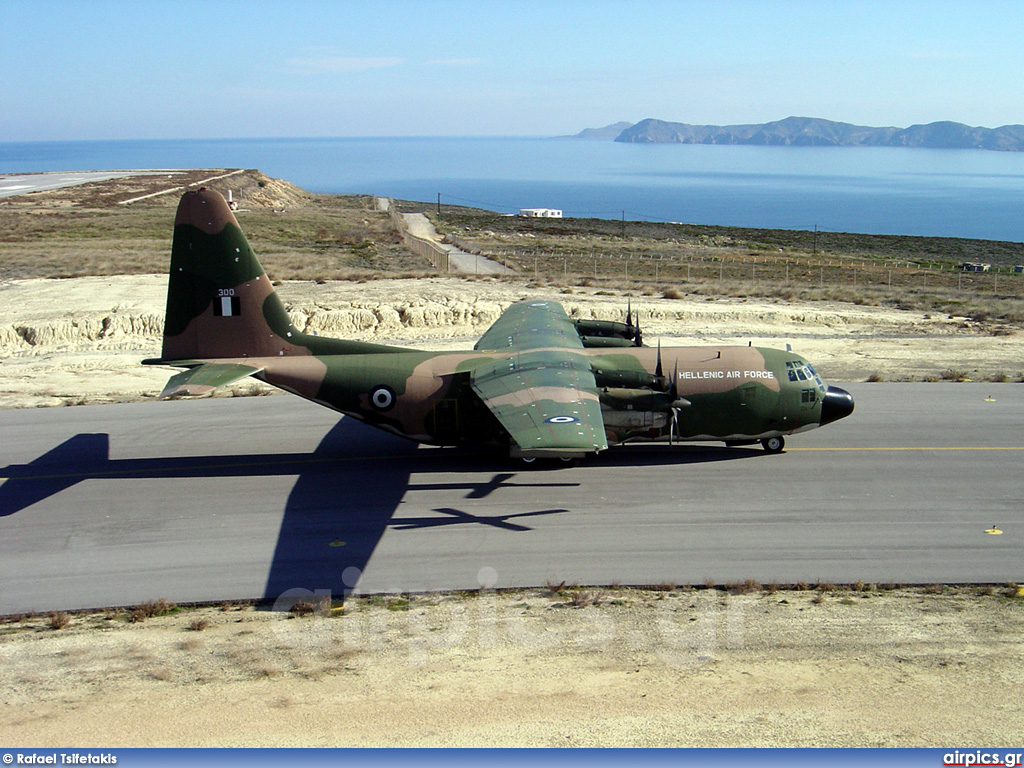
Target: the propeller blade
(638, 335)
(658, 370)
(673, 392)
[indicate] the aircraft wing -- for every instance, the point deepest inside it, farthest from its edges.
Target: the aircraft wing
(543, 393)
(531, 325)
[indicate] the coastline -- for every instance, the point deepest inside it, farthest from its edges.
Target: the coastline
(936, 193)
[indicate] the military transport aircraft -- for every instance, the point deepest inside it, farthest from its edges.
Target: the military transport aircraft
(538, 383)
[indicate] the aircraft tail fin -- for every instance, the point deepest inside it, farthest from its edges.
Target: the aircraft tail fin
(222, 310)
(220, 303)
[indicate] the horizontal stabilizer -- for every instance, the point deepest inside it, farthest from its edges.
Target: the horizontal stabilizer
(203, 379)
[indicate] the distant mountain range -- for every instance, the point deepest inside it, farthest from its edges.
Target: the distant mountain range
(608, 132)
(816, 132)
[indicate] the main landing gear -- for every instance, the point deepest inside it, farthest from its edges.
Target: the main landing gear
(770, 444)
(561, 462)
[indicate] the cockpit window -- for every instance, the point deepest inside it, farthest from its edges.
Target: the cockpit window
(799, 370)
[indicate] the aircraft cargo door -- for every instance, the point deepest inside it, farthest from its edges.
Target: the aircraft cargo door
(444, 421)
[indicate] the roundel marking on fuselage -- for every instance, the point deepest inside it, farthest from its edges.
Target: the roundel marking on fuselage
(562, 420)
(382, 397)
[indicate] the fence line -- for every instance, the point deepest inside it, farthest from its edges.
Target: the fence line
(431, 251)
(668, 268)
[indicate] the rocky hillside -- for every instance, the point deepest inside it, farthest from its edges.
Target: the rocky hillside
(809, 131)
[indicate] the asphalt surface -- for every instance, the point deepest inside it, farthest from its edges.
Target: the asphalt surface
(22, 184)
(259, 497)
(458, 260)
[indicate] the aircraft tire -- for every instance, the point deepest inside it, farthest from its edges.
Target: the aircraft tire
(533, 463)
(773, 444)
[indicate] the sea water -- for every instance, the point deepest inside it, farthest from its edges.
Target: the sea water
(953, 193)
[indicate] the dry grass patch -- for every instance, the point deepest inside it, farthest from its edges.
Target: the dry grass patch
(298, 236)
(150, 609)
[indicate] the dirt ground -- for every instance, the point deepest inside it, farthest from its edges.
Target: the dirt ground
(581, 667)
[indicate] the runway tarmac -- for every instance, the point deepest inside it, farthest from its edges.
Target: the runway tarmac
(262, 497)
(21, 184)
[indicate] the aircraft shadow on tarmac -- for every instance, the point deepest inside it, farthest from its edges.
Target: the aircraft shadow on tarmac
(356, 472)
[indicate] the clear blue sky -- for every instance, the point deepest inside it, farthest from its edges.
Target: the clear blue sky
(201, 69)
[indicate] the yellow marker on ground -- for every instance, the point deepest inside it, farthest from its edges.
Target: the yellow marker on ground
(990, 399)
(993, 530)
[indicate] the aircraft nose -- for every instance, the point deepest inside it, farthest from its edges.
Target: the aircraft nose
(835, 405)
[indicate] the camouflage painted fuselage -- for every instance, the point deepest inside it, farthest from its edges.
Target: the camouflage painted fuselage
(734, 393)
(536, 382)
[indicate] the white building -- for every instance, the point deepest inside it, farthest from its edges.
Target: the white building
(541, 213)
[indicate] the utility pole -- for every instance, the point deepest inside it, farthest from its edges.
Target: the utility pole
(438, 203)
